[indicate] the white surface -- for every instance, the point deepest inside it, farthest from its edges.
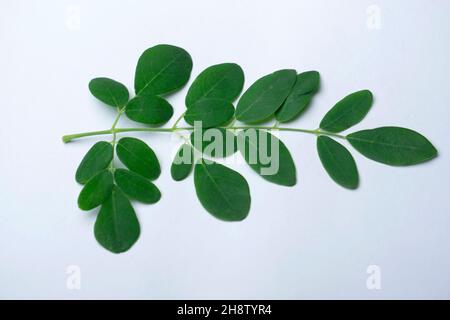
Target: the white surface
(314, 240)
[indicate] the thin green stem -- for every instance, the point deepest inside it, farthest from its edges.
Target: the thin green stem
(113, 131)
(178, 120)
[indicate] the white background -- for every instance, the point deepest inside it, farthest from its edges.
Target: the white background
(314, 240)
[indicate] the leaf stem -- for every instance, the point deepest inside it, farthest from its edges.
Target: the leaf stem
(114, 131)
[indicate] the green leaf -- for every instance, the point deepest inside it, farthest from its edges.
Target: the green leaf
(148, 109)
(393, 146)
(117, 227)
(109, 91)
(265, 96)
(222, 81)
(268, 156)
(96, 159)
(137, 156)
(223, 192)
(214, 142)
(136, 186)
(162, 69)
(301, 95)
(182, 163)
(96, 191)
(338, 162)
(211, 112)
(347, 112)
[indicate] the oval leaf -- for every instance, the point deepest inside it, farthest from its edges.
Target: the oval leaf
(211, 112)
(223, 192)
(301, 95)
(338, 162)
(137, 156)
(161, 70)
(137, 187)
(222, 81)
(265, 96)
(109, 91)
(182, 163)
(393, 146)
(96, 159)
(96, 191)
(214, 142)
(152, 110)
(268, 156)
(117, 227)
(347, 112)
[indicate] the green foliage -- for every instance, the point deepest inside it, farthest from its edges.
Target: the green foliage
(223, 192)
(338, 162)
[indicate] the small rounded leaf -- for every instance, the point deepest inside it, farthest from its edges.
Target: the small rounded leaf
(96, 191)
(394, 146)
(109, 91)
(182, 163)
(137, 187)
(137, 156)
(223, 192)
(267, 156)
(117, 227)
(162, 69)
(338, 162)
(347, 112)
(96, 159)
(151, 110)
(210, 112)
(265, 96)
(222, 81)
(214, 142)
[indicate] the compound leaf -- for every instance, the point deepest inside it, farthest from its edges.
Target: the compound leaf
(301, 95)
(182, 163)
(96, 159)
(149, 109)
(347, 112)
(96, 191)
(394, 146)
(137, 187)
(265, 96)
(162, 69)
(117, 227)
(338, 162)
(137, 156)
(109, 91)
(210, 112)
(222, 81)
(223, 192)
(214, 142)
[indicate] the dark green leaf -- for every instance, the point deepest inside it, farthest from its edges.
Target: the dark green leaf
(211, 112)
(222, 81)
(109, 91)
(265, 96)
(96, 159)
(268, 156)
(182, 163)
(393, 145)
(137, 187)
(117, 227)
(137, 156)
(148, 109)
(161, 70)
(214, 142)
(338, 162)
(223, 192)
(96, 191)
(347, 112)
(301, 95)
